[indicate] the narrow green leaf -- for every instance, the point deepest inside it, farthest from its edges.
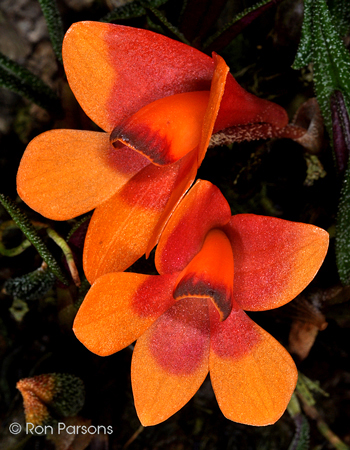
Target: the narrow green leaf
(304, 53)
(54, 25)
(154, 26)
(342, 241)
(132, 10)
(31, 234)
(340, 10)
(168, 25)
(33, 93)
(27, 77)
(321, 44)
(331, 62)
(229, 31)
(32, 286)
(5, 226)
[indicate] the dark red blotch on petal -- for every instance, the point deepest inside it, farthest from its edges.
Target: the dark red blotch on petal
(145, 140)
(180, 337)
(234, 337)
(126, 160)
(152, 187)
(152, 295)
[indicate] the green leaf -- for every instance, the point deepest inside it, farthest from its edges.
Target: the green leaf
(304, 53)
(132, 10)
(27, 77)
(168, 25)
(31, 234)
(31, 286)
(342, 241)
(54, 25)
(340, 10)
(322, 45)
(34, 92)
(229, 31)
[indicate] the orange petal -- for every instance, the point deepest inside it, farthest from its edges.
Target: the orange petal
(274, 259)
(210, 274)
(253, 376)
(239, 107)
(65, 173)
(115, 70)
(187, 171)
(203, 208)
(119, 307)
(216, 93)
(120, 229)
(170, 361)
(165, 130)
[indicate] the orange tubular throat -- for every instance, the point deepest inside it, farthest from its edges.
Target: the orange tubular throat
(210, 274)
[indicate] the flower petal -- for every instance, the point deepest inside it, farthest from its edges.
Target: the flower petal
(203, 208)
(239, 107)
(217, 89)
(187, 171)
(120, 229)
(210, 274)
(65, 173)
(165, 130)
(119, 307)
(253, 376)
(170, 361)
(274, 259)
(115, 70)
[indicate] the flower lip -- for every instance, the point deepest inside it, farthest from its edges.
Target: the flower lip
(154, 130)
(210, 274)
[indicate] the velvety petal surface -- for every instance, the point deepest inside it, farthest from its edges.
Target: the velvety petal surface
(217, 89)
(119, 307)
(210, 274)
(115, 70)
(120, 229)
(170, 361)
(203, 208)
(191, 162)
(165, 130)
(239, 107)
(187, 171)
(65, 173)
(275, 259)
(252, 375)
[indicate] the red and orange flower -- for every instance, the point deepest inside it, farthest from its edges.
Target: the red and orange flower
(190, 319)
(158, 102)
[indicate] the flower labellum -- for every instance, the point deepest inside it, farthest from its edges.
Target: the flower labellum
(158, 102)
(189, 320)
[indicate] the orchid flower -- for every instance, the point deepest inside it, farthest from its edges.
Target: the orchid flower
(158, 101)
(190, 319)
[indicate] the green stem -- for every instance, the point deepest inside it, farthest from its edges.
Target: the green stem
(67, 253)
(31, 234)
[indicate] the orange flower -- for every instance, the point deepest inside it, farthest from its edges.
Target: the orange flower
(189, 320)
(158, 102)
